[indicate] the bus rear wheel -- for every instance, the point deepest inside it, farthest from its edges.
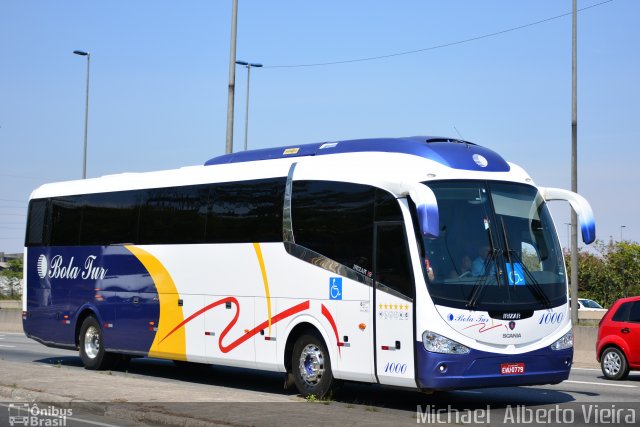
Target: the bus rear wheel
(311, 367)
(91, 342)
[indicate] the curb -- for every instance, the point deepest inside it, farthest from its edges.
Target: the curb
(34, 396)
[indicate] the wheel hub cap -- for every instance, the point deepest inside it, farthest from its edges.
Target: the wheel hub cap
(612, 363)
(92, 342)
(311, 365)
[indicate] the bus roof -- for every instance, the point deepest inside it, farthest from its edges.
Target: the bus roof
(453, 153)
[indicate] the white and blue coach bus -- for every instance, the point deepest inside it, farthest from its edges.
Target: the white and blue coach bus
(419, 262)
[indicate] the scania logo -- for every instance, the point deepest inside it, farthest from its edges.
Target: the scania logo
(480, 160)
(43, 266)
(512, 325)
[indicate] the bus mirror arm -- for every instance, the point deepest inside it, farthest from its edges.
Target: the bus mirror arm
(580, 206)
(427, 210)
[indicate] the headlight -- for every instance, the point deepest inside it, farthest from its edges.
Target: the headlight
(438, 344)
(563, 343)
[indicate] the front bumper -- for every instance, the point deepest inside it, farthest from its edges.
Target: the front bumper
(477, 369)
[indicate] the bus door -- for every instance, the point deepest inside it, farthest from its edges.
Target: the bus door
(393, 302)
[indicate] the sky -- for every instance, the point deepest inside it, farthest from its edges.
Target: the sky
(160, 73)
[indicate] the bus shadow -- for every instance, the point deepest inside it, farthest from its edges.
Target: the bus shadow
(350, 394)
(222, 376)
(61, 361)
(408, 400)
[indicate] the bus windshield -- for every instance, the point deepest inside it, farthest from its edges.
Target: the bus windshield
(497, 248)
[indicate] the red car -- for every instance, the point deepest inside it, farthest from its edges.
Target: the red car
(618, 345)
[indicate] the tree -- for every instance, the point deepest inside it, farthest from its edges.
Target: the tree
(623, 260)
(12, 276)
(608, 271)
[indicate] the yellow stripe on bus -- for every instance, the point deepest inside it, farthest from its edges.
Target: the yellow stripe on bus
(256, 246)
(175, 346)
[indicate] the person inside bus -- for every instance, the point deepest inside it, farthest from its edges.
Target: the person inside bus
(464, 270)
(478, 265)
(430, 273)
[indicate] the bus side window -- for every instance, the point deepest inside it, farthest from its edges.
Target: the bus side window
(392, 259)
(246, 211)
(335, 219)
(387, 208)
(110, 218)
(37, 227)
(66, 217)
(173, 215)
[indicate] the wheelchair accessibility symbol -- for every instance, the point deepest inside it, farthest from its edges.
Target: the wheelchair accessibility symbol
(516, 274)
(335, 288)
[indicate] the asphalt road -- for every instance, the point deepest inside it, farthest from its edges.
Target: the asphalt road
(586, 386)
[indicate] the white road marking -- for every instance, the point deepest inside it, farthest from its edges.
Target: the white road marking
(607, 384)
(95, 423)
(8, 346)
(585, 369)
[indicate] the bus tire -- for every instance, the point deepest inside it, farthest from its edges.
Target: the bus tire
(614, 364)
(91, 341)
(311, 367)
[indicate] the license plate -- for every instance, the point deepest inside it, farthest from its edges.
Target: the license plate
(512, 368)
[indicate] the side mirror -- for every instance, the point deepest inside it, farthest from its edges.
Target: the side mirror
(580, 206)
(427, 209)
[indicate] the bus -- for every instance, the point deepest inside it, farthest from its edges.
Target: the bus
(426, 263)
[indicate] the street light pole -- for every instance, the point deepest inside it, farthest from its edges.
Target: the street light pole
(232, 77)
(248, 65)
(86, 112)
(574, 164)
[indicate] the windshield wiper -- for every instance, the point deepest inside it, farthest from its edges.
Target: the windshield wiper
(531, 282)
(481, 281)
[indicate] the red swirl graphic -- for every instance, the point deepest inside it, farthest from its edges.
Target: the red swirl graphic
(483, 327)
(326, 313)
(227, 348)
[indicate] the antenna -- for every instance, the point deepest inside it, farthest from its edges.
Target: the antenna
(459, 134)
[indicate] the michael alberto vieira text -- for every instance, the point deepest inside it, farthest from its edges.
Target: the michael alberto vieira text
(520, 414)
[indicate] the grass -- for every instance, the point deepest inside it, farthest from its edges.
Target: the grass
(312, 398)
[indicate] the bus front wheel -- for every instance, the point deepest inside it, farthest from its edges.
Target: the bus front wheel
(91, 342)
(312, 367)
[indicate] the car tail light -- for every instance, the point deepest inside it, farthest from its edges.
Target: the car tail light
(603, 317)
